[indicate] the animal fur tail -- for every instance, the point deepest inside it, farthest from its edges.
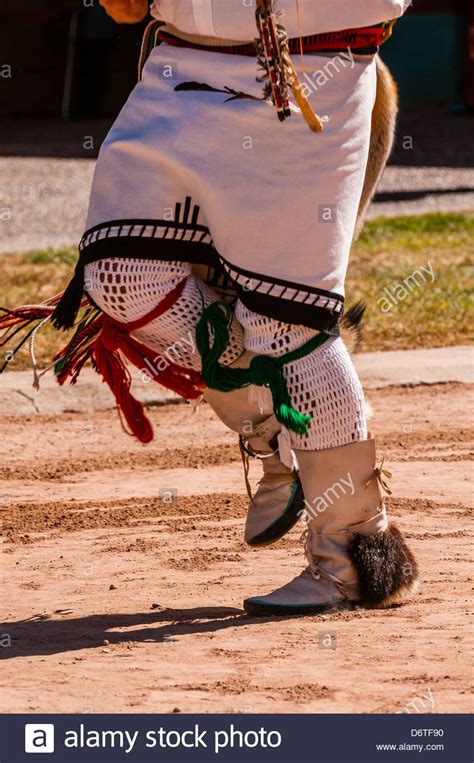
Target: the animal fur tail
(384, 119)
(350, 326)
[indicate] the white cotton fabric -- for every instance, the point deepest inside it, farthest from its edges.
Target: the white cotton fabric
(203, 12)
(325, 384)
(267, 336)
(235, 19)
(128, 289)
(279, 200)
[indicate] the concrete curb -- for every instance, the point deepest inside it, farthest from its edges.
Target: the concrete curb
(413, 367)
(90, 394)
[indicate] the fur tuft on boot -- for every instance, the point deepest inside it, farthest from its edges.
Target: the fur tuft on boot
(386, 568)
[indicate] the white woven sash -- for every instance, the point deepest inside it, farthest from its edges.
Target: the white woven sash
(203, 18)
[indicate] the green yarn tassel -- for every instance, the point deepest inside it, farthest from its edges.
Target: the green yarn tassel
(216, 321)
(263, 371)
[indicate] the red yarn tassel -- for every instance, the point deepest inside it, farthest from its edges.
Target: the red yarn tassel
(112, 369)
(114, 339)
(103, 340)
(69, 362)
(22, 322)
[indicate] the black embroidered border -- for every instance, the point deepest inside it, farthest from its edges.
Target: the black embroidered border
(185, 239)
(181, 228)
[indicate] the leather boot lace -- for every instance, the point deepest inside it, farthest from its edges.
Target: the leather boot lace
(318, 572)
(381, 475)
(247, 452)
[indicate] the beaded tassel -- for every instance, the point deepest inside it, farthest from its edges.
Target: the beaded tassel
(273, 55)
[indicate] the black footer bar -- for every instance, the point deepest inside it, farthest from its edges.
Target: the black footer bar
(221, 738)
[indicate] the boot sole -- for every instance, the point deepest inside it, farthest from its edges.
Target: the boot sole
(283, 524)
(259, 609)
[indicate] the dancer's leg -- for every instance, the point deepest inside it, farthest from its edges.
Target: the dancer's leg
(127, 290)
(353, 555)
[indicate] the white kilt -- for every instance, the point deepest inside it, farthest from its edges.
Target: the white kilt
(193, 176)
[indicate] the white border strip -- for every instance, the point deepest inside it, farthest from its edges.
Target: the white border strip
(203, 18)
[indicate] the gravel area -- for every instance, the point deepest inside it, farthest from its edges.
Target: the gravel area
(417, 190)
(43, 202)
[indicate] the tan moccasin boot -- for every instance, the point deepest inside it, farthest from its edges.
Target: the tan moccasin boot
(279, 501)
(354, 555)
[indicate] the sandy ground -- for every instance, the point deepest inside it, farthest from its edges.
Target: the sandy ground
(124, 570)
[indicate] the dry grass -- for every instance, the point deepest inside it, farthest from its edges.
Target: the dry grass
(432, 315)
(32, 278)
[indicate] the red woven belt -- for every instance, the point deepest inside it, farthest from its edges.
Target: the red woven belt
(366, 40)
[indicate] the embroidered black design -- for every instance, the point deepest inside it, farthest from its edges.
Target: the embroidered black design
(204, 87)
(184, 227)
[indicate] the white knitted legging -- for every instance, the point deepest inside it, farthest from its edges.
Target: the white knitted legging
(129, 289)
(324, 383)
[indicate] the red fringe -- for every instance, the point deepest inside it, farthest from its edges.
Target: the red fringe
(22, 315)
(104, 341)
(106, 353)
(69, 362)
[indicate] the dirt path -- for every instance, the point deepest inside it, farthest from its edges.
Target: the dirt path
(124, 571)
